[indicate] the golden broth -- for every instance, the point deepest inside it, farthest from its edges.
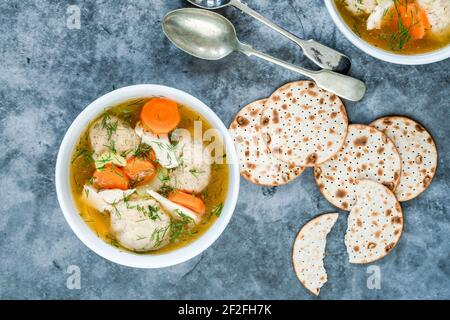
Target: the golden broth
(381, 37)
(82, 169)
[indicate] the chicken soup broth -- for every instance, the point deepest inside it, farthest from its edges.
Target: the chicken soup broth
(400, 26)
(176, 232)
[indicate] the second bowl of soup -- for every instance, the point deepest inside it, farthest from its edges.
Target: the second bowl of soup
(147, 176)
(397, 31)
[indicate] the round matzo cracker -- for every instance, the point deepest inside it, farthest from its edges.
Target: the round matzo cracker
(375, 223)
(367, 154)
(256, 162)
(417, 151)
(303, 124)
(309, 250)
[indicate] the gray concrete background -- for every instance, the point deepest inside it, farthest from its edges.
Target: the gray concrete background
(49, 73)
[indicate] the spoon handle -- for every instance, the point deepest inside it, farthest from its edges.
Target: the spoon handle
(344, 86)
(320, 54)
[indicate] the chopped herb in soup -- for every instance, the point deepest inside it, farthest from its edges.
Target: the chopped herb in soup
(142, 178)
(400, 26)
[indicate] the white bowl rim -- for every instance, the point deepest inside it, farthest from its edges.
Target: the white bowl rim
(416, 59)
(84, 232)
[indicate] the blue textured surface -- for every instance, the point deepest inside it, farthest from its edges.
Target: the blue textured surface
(49, 73)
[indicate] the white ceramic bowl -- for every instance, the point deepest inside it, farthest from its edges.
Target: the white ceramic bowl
(416, 59)
(83, 231)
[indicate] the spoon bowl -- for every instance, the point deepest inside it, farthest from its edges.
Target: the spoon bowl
(200, 33)
(210, 4)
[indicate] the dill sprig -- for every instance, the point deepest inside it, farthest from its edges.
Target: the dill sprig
(150, 211)
(142, 151)
(217, 210)
(85, 154)
(195, 173)
(109, 125)
(181, 228)
(159, 235)
(165, 190)
(111, 146)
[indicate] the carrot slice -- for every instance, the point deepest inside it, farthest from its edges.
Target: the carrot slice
(160, 115)
(111, 177)
(423, 17)
(187, 200)
(139, 171)
(412, 17)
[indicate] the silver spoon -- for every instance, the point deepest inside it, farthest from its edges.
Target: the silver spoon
(208, 35)
(321, 55)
